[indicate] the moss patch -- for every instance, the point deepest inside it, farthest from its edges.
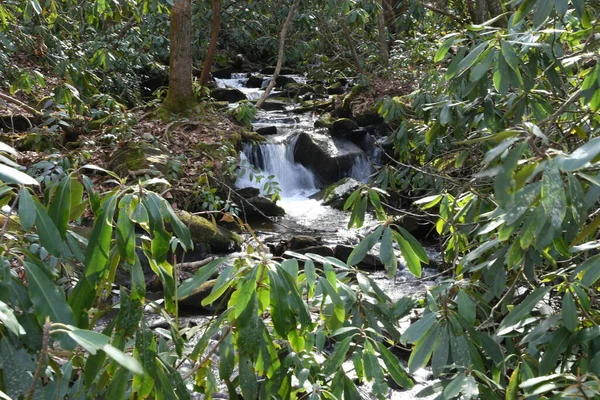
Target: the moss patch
(203, 231)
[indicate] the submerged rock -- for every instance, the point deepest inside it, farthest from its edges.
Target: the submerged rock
(335, 195)
(203, 231)
(329, 158)
(230, 95)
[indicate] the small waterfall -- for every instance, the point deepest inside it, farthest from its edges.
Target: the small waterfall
(238, 81)
(361, 169)
(277, 160)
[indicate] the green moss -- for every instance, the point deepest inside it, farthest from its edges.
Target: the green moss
(220, 240)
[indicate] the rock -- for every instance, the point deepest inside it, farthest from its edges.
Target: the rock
(223, 73)
(297, 89)
(311, 105)
(335, 195)
(194, 299)
(369, 263)
(255, 81)
(220, 105)
(228, 94)
(343, 126)
(336, 88)
(283, 80)
(329, 158)
(136, 156)
(323, 251)
(325, 121)
(219, 240)
(368, 117)
(255, 205)
(274, 105)
(271, 70)
(267, 130)
(301, 242)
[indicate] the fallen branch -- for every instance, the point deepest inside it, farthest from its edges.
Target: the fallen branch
(196, 264)
(20, 104)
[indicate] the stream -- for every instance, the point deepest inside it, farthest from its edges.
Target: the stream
(277, 157)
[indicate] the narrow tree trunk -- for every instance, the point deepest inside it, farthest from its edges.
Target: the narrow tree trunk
(214, 37)
(180, 96)
(352, 48)
(390, 16)
(383, 45)
(495, 9)
(284, 29)
(481, 11)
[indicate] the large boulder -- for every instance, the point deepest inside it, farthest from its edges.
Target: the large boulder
(139, 156)
(203, 231)
(223, 73)
(283, 80)
(230, 95)
(336, 194)
(329, 158)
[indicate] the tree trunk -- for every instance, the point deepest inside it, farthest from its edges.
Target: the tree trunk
(180, 96)
(390, 16)
(495, 9)
(383, 45)
(286, 24)
(352, 48)
(214, 37)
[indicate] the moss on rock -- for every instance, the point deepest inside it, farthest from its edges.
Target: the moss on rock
(220, 240)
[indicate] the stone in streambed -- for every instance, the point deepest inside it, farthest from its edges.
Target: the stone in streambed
(203, 231)
(336, 88)
(274, 105)
(267, 130)
(322, 251)
(303, 241)
(255, 205)
(255, 82)
(230, 95)
(335, 195)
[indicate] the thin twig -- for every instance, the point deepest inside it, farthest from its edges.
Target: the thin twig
(20, 104)
(41, 360)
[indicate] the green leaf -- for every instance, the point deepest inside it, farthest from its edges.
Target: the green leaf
(569, 312)
(423, 349)
(48, 299)
(125, 234)
(398, 374)
(466, 307)
(412, 261)
(123, 359)
(524, 307)
(580, 157)
(12, 175)
(414, 244)
(226, 357)
(510, 56)
(49, 235)
(523, 10)
(361, 250)
(221, 285)
(443, 50)
(60, 207)
(559, 341)
(562, 7)
(416, 330)
(554, 198)
(473, 56)
(335, 360)
(89, 340)
(542, 11)
(96, 255)
(386, 253)
(502, 75)
(27, 213)
(512, 390)
(8, 319)
(479, 70)
(36, 6)
(201, 276)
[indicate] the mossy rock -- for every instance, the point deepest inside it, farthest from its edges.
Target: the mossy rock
(346, 107)
(203, 231)
(311, 105)
(336, 194)
(325, 121)
(221, 105)
(136, 156)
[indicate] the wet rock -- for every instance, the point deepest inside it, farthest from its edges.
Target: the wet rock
(230, 95)
(255, 205)
(194, 299)
(297, 89)
(274, 105)
(267, 130)
(343, 126)
(255, 81)
(221, 105)
(325, 121)
(369, 263)
(223, 73)
(271, 70)
(301, 242)
(312, 105)
(323, 251)
(283, 80)
(335, 195)
(336, 88)
(329, 158)
(203, 231)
